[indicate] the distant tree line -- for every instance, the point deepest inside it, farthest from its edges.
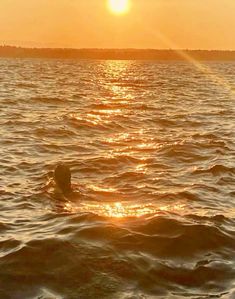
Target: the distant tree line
(116, 54)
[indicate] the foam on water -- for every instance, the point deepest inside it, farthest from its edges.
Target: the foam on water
(151, 148)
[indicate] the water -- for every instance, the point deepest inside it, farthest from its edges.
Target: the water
(151, 148)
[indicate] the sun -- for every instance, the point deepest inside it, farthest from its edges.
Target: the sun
(119, 7)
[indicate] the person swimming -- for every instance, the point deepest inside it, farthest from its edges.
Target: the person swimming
(62, 179)
(60, 182)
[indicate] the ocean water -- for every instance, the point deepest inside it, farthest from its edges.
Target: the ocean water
(151, 149)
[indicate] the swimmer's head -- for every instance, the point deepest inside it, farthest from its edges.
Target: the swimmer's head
(62, 177)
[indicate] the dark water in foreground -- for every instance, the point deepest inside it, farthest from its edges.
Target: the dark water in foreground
(151, 146)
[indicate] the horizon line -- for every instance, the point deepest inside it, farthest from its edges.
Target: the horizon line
(119, 49)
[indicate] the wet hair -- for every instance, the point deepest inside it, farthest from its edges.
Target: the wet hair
(62, 176)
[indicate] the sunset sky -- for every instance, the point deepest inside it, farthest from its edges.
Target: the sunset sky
(188, 24)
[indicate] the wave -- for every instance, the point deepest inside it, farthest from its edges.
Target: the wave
(47, 100)
(171, 252)
(216, 170)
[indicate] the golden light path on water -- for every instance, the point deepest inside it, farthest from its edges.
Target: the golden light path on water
(122, 210)
(120, 98)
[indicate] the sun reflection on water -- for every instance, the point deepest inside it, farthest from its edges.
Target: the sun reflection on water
(122, 210)
(118, 102)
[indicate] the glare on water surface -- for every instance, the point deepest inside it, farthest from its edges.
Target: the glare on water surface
(122, 210)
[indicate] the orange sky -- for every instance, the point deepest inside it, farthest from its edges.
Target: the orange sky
(192, 24)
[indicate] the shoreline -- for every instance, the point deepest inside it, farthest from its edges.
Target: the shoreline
(117, 54)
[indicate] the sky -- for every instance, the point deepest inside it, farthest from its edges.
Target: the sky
(156, 24)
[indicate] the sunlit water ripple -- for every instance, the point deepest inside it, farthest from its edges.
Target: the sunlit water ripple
(151, 148)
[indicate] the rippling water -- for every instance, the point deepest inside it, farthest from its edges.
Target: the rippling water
(151, 148)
